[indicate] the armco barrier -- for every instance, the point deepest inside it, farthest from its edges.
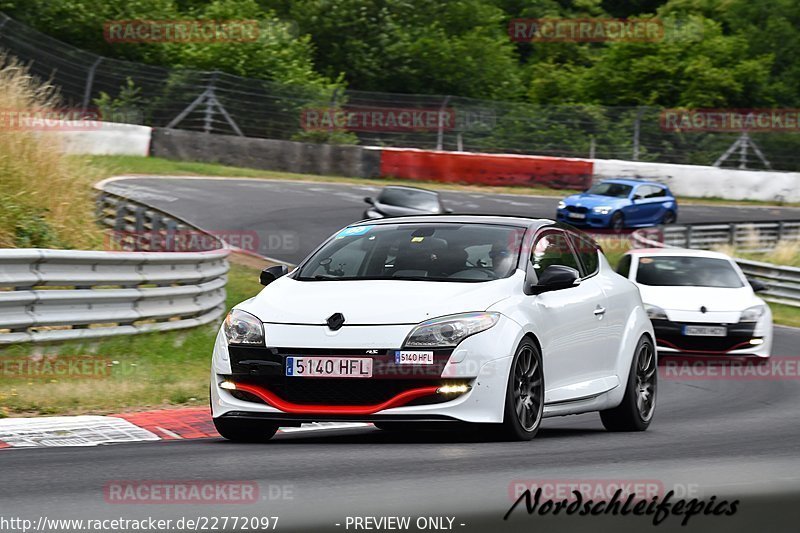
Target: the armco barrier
(65, 294)
(486, 169)
(783, 281)
(746, 236)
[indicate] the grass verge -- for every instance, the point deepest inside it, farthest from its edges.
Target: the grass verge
(138, 372)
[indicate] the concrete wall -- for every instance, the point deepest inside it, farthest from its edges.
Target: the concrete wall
(106, 139)
(267, 154)
(699, 181)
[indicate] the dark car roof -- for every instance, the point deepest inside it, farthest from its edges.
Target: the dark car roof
(518, 221)
(417, 189)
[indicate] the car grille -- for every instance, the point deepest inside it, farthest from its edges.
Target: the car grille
(576, 209)
(332, 391)
(265, 367)
(669, 334)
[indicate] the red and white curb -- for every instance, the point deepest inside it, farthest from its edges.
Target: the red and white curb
(88, 430)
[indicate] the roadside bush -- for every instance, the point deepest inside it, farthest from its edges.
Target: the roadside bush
(46, 198)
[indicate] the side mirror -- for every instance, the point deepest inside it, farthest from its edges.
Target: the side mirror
(637, 197)
(757, 285)
(369, 200)
(447, 211)
(268, 275)
(555, 278)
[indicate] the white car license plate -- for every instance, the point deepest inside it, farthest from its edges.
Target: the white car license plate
(329, 367)
(705, 331)
(413, 358)
(577, 215)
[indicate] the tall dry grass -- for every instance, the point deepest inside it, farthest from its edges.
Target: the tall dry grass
(46, 198)
(784, 253)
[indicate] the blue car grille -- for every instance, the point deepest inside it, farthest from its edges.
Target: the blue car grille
(576, 209)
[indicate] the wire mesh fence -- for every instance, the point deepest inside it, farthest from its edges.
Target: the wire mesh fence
(217, 102)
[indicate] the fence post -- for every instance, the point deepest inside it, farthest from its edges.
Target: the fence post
(732, 234)
(689, 236)
(440, 133)
(87, 91)
(636, 128)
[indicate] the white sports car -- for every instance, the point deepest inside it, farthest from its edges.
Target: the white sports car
(498, 321)
(700, 302)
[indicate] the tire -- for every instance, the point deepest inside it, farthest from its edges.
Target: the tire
(524, 393)
(617, 222)
(238, 430)
(631, 415)
(669, 218)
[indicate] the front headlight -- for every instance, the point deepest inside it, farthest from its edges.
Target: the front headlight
(562, 204)
(602, 209)
(448, 331)
(752, 314)
(655, 312)
(243, 328)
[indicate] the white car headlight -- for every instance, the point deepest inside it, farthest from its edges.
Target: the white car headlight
(562, 204)
(752, 314)
(655, 312)
(243, 328)
(448, 331)
(602, 209)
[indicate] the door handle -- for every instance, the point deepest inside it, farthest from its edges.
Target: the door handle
(600, 311)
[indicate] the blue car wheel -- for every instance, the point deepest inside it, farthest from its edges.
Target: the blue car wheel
(617, 221)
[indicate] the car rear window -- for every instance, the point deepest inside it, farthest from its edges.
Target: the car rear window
(682, 271)
(412, 198)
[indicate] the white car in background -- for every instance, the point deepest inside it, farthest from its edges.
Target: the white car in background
(700, 302)
(498, 321)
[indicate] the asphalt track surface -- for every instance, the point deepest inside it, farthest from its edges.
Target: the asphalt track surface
(291, 218)
(733, 439)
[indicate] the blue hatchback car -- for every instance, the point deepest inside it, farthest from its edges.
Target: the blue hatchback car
(620, 203)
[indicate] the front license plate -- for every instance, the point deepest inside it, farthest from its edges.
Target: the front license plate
(580, 216)
(413, 358)
(705, 331)
(329, 367)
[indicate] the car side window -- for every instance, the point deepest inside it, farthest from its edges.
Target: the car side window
(624, 266)
(655, 192)
(552, 248)
(588, 252)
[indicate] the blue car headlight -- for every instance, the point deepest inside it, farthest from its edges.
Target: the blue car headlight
(562, 204)
(602, 209)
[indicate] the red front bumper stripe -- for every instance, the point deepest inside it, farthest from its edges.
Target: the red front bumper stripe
(295, 408)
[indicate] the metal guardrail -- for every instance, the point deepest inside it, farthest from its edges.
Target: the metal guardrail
(55, 295)
(783, 282)
(65, 294)
(747, 236)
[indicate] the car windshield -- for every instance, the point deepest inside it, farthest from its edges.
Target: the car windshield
(687, 272)
(616, 190)
(427, 252)
(413, 198)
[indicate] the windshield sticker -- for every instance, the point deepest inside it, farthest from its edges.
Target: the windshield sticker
(351, 232)
(417, 239)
